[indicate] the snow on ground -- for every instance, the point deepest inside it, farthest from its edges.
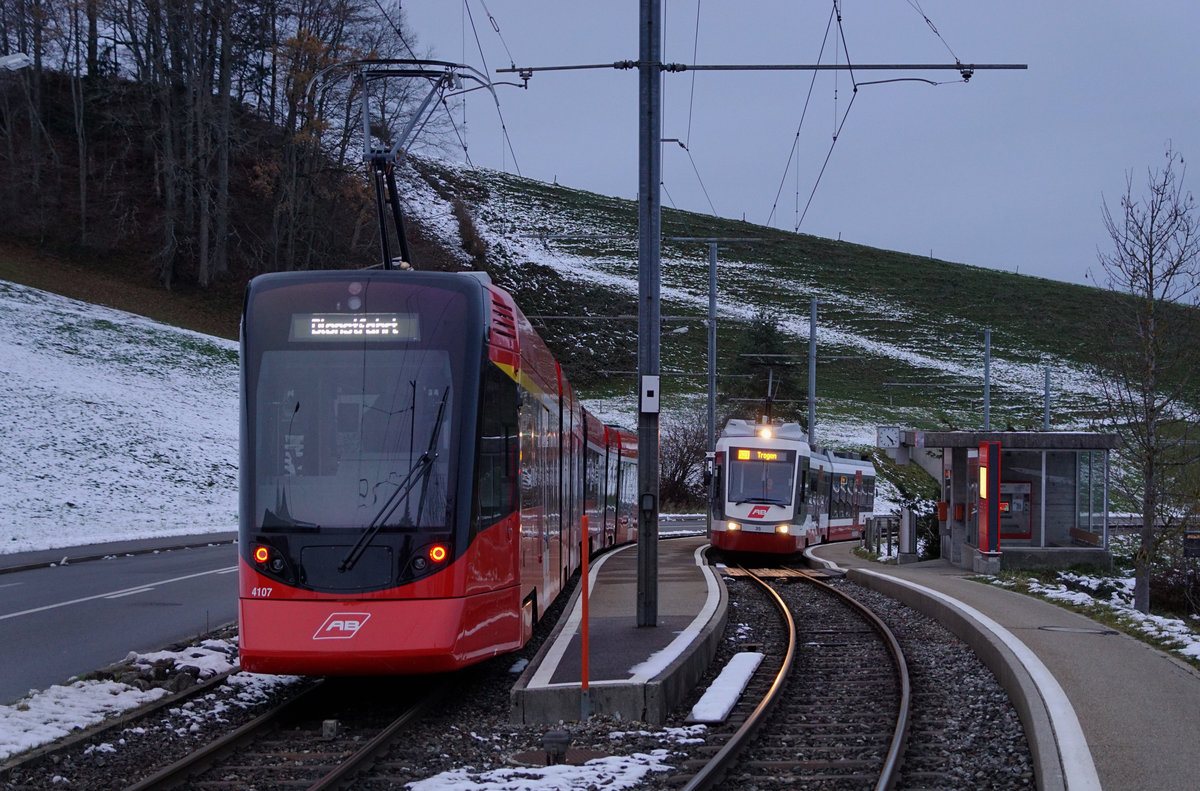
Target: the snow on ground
(1095, 593)
(613, 772)
(112, 426)
(44, 716)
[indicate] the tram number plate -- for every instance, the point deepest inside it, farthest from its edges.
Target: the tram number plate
(261, 592)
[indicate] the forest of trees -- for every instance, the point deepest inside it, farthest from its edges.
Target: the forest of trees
(189, 135)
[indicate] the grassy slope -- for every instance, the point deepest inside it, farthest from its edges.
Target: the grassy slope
(213, 314)
(917, 320)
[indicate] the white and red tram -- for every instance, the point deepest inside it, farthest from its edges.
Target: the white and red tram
(773, 494)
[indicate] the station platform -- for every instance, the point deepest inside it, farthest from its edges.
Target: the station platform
(634, 672)
(1100, 709)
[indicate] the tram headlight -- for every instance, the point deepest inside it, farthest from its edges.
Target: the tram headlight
(262, 554)
(438, 553)
(733, 526)
(783, 530)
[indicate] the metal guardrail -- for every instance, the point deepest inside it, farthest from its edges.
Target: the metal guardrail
(882, 532)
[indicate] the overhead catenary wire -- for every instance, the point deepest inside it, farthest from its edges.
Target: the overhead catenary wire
(685, 144)
(692, 94)
(837, 133)
(803, 114)
(496, 27)
(486, 69)
(917, 7)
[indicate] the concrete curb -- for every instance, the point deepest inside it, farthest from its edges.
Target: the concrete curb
(1012, 675)
(1060, 752)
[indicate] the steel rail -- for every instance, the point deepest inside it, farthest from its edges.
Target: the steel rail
(203, 759)
(891, 767)
(340, 776)
(712, 772)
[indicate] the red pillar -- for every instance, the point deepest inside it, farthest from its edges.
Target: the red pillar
(989, 497)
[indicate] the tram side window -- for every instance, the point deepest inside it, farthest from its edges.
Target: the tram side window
(610, 491)
(868, 494)
(496, 483)
(814, 487)
(718, 497)
(593, 488)
(629, 490)
(530, 466)
(802, 490)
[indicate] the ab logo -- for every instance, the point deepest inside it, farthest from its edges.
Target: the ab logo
(341, 625)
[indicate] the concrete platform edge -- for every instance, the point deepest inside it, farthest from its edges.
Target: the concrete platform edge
(1053, 770)
(671, 686)
(650, 702)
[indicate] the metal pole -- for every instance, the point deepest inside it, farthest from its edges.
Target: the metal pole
(649, 257)
(987, 380)
(1046, 411)
(712, 368)
(812, 374)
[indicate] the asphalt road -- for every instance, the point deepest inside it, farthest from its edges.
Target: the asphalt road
(61, 621)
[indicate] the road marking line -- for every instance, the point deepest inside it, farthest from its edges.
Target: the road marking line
(116, 593)
(129, 593)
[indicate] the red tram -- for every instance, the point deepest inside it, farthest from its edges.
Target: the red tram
(415, 474)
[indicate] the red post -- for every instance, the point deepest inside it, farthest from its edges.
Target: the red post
(586, 705)
(989, 497)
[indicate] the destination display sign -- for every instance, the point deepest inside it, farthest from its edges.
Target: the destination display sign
(764, 454)
(355, 327)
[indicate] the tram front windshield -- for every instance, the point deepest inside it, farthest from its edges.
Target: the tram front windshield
(359, 433)
(761, 476)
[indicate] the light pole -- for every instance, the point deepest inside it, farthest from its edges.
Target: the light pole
(987, 380)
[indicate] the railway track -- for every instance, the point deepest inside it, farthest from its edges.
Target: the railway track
(830, 711)
(321, 739)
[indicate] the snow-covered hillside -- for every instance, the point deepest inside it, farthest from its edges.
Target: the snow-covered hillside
(590, 241)
(112, 426)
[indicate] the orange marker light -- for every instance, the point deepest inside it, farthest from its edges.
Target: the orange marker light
(437, 553)
(262, 554)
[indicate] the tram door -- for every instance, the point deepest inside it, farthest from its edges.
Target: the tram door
(539, 479)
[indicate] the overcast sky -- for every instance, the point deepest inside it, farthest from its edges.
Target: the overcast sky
(1007, 171)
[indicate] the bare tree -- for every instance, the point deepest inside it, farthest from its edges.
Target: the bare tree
(1150, 381)
(681, 458)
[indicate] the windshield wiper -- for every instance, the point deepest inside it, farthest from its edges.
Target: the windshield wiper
(419, 470)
